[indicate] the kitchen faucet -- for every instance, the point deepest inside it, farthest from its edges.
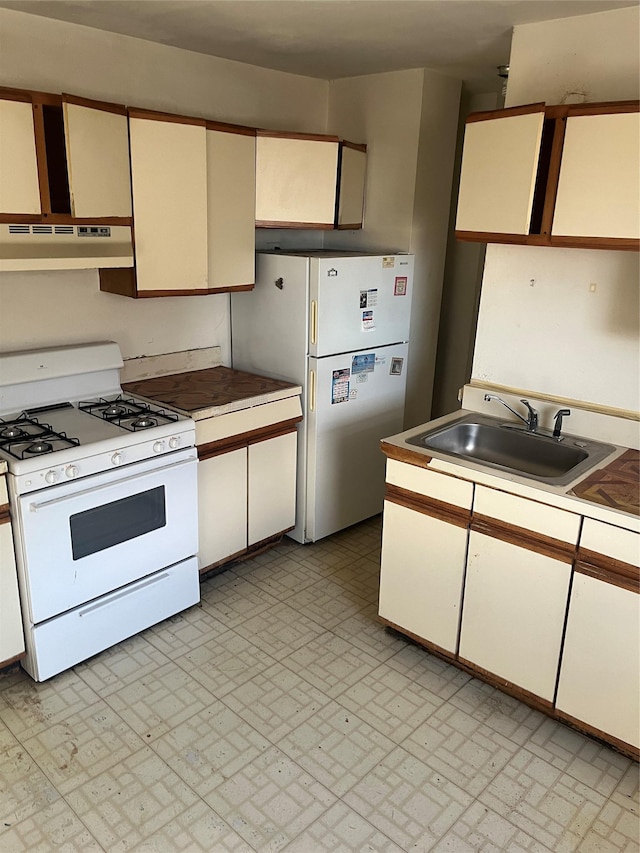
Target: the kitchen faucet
(531, 422)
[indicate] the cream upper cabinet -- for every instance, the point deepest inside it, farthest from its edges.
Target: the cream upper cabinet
(353, 163)
(598, 188)
(97, 148)
(19, 186)
(499, 167)
(231, 199)
(169, 182)
(296, 180)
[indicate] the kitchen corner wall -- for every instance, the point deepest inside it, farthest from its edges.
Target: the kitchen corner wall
(566, 321)
(409, 120)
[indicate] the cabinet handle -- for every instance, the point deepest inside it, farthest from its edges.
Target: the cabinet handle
(314, 321)
(312, 390)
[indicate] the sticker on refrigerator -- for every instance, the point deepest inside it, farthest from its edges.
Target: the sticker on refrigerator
(396, 366)
(368, 298)
(388, 263)
(368, 323)
(340, 385)
(363, 363)
(353, 393)
(400, 286)
(362, 377)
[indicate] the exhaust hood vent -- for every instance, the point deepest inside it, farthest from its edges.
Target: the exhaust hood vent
(64, 247)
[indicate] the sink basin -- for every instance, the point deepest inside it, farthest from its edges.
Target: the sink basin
(480, 438)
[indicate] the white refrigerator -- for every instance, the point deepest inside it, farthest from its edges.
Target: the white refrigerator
(336, 323)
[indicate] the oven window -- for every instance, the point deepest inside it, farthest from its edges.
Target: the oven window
(110, 524)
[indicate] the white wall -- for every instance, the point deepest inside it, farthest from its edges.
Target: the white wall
(409, 120)
(558, 337)
(42, 309)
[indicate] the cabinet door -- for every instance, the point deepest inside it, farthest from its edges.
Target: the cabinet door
(231, 199)
(599, 177)
(513, 614)
(421, 576)
(353, 161)
(222, 506)
(600, 671)
(272, 487)
(296, 181)
(169, 181)
(19, 186)
(499, 168)
(97, 146)
(11, 635)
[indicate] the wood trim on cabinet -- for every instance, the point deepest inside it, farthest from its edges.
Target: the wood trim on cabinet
(104, 106)
(525, 109)
(241, 129)
(345, 226)
(553, 176)
(356, 146)
(286, 134)
(432, 507)
(62, 219)
(621, 745)
(245, 439)
(122, 282)
(497, 237)
(41, 159)
(530, 699)
(5, 514)
(624, 244)
(245, 554)
(608, 569)
(603, 108)
(277, 223)
(22, 95)
(403, 454)
(523, 538)
(450, 657)
(11, 661)
(153, 115)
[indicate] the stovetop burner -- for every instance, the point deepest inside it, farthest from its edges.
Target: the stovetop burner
(26, 436)
(132, 415)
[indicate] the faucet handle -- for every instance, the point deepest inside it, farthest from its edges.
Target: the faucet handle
(561, 413)
(532, 420)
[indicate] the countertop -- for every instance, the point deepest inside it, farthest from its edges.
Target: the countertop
(211, 392)
(609, 492)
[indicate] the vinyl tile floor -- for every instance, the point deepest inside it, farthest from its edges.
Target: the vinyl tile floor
(278, 714)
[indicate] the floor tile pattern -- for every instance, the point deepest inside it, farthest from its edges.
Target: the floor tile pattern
(279, 715)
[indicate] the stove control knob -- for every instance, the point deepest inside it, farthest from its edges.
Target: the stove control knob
(51, 477)
(71, 471)
(174, 442)
(158, 446)
(116, 459)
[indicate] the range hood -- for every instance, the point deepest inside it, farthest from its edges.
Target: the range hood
(64, 247)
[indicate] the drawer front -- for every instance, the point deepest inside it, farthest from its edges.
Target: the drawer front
(611, 541)
(549, 521)
(430, 483)
(236, 423)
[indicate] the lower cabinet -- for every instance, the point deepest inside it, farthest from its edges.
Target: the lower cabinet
(599, 681)
(246, 487)
(539, 601)
(11, 635)
(424, 546)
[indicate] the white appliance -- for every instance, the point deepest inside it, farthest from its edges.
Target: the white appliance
(103, 496)
(336, 323)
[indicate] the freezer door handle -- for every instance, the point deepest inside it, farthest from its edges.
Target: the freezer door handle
(312, 390)
(314, 321)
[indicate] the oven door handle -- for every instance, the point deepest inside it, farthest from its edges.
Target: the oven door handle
(36, 506)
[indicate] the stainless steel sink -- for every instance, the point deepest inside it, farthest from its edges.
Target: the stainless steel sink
(481, 438)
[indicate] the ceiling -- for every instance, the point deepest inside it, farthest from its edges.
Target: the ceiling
(329, 39)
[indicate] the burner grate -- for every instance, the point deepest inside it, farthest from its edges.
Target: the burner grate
(25, 436)
(132, 415)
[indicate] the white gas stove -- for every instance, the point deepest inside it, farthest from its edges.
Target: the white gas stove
(103, 495)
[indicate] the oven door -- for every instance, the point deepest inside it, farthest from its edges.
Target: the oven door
(88, 537)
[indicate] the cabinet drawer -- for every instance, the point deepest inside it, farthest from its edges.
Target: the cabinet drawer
(611, 541)
(521, 512)
(430, 483)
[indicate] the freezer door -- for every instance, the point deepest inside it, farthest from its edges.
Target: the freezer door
(357, 399)
(359, 302)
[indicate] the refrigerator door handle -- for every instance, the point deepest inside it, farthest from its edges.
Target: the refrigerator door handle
(314, 321)
(312, 390)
